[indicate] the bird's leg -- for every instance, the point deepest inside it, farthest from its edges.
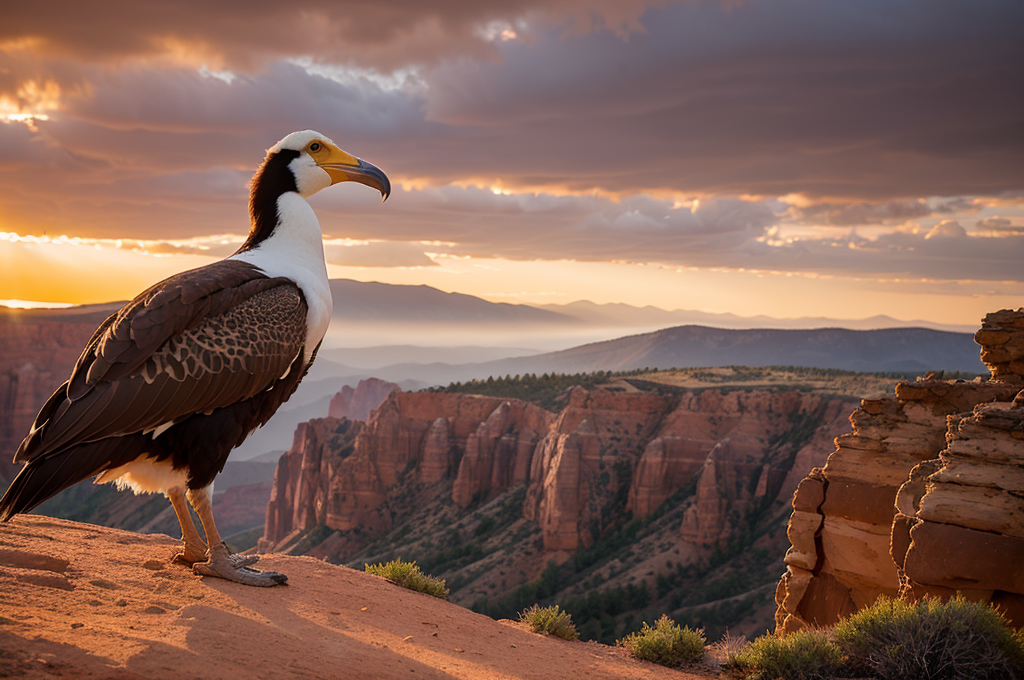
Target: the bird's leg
(219, 562)
(195, 547)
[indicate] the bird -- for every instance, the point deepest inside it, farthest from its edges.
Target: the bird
(179, 376)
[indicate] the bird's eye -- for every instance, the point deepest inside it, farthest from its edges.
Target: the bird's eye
(315, 146)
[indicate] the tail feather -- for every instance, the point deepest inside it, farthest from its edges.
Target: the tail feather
(45, 477)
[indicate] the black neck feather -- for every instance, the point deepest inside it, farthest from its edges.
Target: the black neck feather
(272, 179)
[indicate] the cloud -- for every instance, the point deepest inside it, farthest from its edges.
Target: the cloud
(768, 98)
(720, 233)
(946, 229)
(998, 226)
(788, 120)
(881, 213)
(823, 99)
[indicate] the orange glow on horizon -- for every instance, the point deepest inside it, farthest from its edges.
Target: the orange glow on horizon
(81, 271)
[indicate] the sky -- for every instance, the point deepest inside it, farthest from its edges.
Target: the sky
(789, 158)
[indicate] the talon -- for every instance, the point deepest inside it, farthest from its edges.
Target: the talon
(243, 560)
(223, 566)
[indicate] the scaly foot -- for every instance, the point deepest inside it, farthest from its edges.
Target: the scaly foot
(221, 565)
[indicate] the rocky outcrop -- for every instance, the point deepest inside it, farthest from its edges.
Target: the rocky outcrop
(738, 476)
(583, 462)
(855, 522)
(1002, 340)
(301, 481)
(498, 454)
(356, 404)
(968, 502)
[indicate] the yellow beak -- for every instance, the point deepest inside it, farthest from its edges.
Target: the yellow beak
(344, 167)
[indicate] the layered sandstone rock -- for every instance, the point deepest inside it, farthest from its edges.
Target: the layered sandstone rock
(302, 479)
(605, 457)
(356, 404)
(737, 449)
(734, 449)
(1002, 340)
(969, 502)
(498, 454)
(759, 435)
(584, 460)
(413, 438)
(843, 547)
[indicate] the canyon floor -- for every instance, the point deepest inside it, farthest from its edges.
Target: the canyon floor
(82, 601)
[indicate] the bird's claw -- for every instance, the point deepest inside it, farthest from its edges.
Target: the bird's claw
(221, 565)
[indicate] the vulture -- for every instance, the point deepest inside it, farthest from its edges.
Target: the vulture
(172, 382)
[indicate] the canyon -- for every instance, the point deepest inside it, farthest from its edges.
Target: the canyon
(494, 493)
(629, 497)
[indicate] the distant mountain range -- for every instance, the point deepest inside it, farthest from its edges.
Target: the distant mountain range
(907, 350)
(386, 303)
(873, 351)
(627, 315)
(475, 339)
(392, 303)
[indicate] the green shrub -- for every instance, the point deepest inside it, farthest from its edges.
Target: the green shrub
(665, 643)
(931, 640)
(408, 575)
(550, 620)
(808, 654)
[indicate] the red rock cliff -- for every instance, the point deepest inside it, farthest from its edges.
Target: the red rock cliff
(922, 497)
(483, 444)
(606, 456)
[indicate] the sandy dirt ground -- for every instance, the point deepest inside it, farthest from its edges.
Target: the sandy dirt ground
(82, 601)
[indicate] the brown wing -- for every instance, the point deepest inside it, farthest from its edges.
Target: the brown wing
(197, 342)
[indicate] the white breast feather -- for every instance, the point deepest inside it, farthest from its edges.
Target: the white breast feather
(296, 251)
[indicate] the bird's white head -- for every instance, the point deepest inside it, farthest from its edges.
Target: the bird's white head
(302, 164)
(316, 163)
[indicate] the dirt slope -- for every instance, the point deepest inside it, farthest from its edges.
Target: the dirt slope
(80, 601)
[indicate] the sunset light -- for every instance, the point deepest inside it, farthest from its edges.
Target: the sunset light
(604, 339)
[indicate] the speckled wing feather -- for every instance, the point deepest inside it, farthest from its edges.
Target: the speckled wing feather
(201, 340)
